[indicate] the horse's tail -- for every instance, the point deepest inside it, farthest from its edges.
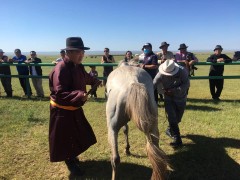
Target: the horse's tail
(142, 110)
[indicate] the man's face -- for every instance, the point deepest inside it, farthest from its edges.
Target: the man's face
(76, 56)
(183, 50)
(62, 54)
(18, 54)
(218, 51)
(164, 48)
(33, 55)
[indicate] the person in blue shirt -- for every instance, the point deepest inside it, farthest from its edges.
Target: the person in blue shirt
(22, 70)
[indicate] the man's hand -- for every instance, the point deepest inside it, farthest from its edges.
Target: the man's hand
(85, 97)
(220, 60)
(142, 66)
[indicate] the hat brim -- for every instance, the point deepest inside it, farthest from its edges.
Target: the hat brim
(183, 48)
(163, 45)
(176, 69)
(218, 48)
(82, 48)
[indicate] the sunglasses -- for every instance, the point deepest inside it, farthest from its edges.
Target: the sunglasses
(106, 51)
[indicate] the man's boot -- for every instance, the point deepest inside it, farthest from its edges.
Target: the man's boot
(177, 142)
(9, 94)
(73, 167)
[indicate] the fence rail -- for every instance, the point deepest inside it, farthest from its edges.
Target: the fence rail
(116, 64)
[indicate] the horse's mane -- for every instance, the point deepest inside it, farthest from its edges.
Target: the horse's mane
(131, 62)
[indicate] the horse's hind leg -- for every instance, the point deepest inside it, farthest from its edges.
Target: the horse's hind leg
(115, 159)
(125, 131)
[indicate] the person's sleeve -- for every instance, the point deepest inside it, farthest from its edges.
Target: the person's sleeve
(156, 80)
(177, 57)
(185, 83)
(171, 56)
(211, 59)
(155, 60)
(195, 58)
(63, 95)
(227, 59)
(38, 60)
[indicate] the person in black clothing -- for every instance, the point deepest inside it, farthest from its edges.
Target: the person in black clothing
(5, 70)
(216, 85)
(93, 73)
(107, 58)
(36, 71)
(150, 63)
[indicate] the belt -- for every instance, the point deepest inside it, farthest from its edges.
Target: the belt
(70, 108)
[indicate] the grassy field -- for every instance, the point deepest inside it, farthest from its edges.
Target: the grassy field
(210, 130)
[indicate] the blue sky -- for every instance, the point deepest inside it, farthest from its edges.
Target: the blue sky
(44, 25)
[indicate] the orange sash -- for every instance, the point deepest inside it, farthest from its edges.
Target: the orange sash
(70, 108)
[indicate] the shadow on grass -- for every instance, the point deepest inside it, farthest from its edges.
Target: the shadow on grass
(206, 158)
(36, 120)
(32, 98)
(202, 108)
(194, 100)
(103, 170)
(99, 100)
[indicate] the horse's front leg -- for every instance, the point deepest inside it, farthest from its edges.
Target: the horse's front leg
(115, 158)
(125, 131)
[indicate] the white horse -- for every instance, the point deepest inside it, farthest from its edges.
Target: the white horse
(131, 96)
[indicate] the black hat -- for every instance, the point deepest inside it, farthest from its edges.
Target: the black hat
(147, 45)
(163, 44)
(62, 51)
(17, 51)
(218, 47)
(75, 43)
(32, 52)
(182, 46)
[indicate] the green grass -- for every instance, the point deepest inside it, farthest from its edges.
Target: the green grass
(210, 133)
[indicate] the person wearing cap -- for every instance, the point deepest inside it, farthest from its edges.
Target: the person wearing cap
(175, 82)
(107, 58)
(5, 70)
(216, 85)
(164, 54)
(62, 54)
(36, 71)
(150, 63)
(22, 70)
(187, 59)
(70, 134)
